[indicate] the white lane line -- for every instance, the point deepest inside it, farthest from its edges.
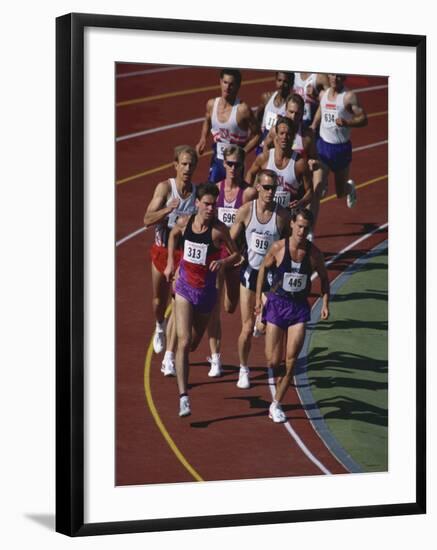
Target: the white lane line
(130, 236)
(363, 147)
(150, 71)
(200, 119)
(371, 88)
(272, 384)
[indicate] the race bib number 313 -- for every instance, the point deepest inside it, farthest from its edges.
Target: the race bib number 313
(294, 282)
(195, 253)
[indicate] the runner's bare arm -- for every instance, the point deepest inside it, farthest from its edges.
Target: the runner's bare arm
(283, 221)
(206, 128)
(252, 125)
(249, 194)
(303, 174)
(255, 168)
(240, 221)
(319, 266)
(268, 262)
(174, 236)
(269, 140)
(224, 237)
(259, 113)
(156, 211)
(317, 118)
(359, 118)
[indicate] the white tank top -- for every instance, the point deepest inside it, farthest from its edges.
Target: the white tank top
(288, 184)
(186, 207)
(225, 133)
(260, 236)
(331, 109)
(271, 113)
(298, 145)
(300, 87)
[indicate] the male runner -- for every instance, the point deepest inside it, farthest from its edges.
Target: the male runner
(172, 198)
(309, 86)
(202, 236)
(230, 120)
(263, 222)
(338, 112)
(292, 261)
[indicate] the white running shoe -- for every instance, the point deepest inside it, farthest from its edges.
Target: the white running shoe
(184, 406)
(216, 366)
(159, 341)
(243, 379)
(351, 197)
(168, 367)
(276, 413)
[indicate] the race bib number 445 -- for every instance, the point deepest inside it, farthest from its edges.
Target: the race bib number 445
(195, 253)
(294, 282)
(260, 243)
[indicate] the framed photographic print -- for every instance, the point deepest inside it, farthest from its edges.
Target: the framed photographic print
(240, 274)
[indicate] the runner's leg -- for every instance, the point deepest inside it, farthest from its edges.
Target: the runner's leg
(295, 340)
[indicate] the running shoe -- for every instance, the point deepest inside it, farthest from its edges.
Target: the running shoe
(184, 406)
(168, 367)
(159, 341)
(216, 366)
(276, 413)
(351, 198)
(243, 379)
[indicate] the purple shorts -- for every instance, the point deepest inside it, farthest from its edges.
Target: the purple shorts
(203, 299)
(285, 313)
(336, 156)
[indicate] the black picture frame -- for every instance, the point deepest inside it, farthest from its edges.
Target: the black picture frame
(70, 273)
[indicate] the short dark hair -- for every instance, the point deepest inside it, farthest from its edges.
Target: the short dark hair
(207, 188)
(286, 121)
(236, 73)
(269, 173)
(304, 212)
(289, 75)
(295, 98)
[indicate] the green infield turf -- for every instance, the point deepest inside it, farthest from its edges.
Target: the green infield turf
(348, 367)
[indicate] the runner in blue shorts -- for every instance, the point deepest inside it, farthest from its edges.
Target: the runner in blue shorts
(286, 312)
(338, 112)
(230, 121)
(201, 237)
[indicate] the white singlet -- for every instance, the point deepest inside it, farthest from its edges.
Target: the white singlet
(260, 236)
(300, 87)
(225, 133)
(288, 184)
(186, 207)
(298, 145)
(331, 109)
(271, 113)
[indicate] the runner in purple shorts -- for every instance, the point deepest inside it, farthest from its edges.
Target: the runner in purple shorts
(286, 311)
(338, 112)
(201, 238)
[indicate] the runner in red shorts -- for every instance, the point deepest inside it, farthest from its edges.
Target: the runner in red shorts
(172, 198)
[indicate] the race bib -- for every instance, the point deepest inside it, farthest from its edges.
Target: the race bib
(294, 282)
(329, 118)
(282, 197)
(195, 253)
(227, 215)
(220, 148)
(271, 119)
(260, 243)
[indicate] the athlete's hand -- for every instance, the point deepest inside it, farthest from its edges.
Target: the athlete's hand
(173, 204)
(324, 314)
(341, 122)
(293, 204)
(200, 147)
(258, 307)
(215, 265)
(313, 165)
(240, 261)
(169, 273)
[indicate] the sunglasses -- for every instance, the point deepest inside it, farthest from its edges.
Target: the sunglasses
(233, 163)
(269, 187)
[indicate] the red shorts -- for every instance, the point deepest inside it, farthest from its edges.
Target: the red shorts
(159, 255)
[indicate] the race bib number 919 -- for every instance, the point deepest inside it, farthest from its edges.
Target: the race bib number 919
(260, 243)
(294, 282)
(195, 253)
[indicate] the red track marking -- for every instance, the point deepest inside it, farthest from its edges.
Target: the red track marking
(229, 435)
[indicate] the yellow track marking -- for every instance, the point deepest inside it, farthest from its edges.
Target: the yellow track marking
(377, 114)
(155, 415)
(368, 182)
(185, 92)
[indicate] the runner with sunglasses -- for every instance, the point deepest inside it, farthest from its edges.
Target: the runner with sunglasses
(262, 222)
(233, 193)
